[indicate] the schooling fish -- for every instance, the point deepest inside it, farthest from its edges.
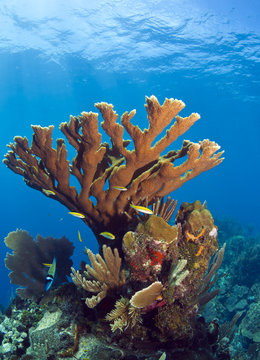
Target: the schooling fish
(142, 209)
(108, 235)
(50, 276)
(76, 214)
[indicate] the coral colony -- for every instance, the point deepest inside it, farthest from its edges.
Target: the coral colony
(145, 174)
(152, 277)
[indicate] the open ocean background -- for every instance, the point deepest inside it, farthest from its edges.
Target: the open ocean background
(60, 57)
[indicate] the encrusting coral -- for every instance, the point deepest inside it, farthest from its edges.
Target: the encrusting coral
(142, 172)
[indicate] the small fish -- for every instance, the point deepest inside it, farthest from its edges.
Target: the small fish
(76, 214)
(50, 276)
(108, 235)
(48, 192)
(163, 356)
(142, 209)
(120, 188)
(79, 236)
(49, 265)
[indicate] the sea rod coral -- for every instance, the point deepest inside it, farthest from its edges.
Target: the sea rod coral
(142, 172)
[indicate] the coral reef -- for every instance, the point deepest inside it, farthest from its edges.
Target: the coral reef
(51, 332)
(143, 173)
(145, 254)
(21, 315)
(142, 294)
(27, 261)
(239, 287)
(246, 268)
(250, 325)
(164, 275)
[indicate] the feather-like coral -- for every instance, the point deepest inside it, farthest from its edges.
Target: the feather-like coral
(106, 274)
(123, 315)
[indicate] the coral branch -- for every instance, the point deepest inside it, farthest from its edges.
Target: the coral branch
(143, 172)
(164, 209)
(106, 274)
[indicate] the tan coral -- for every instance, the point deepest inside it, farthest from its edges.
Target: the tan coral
(143, 171)
(128, 240)
(195, 218)
(106, 273)
(146, 296)
(158, 229)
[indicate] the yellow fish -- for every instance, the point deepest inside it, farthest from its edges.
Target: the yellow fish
(108, 235)
(142, 209)
(120, 188)
(79, 236)
(76, 214)
(49, 265)
(48, 192)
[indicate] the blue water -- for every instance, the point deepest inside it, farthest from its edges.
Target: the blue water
(60, 57)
